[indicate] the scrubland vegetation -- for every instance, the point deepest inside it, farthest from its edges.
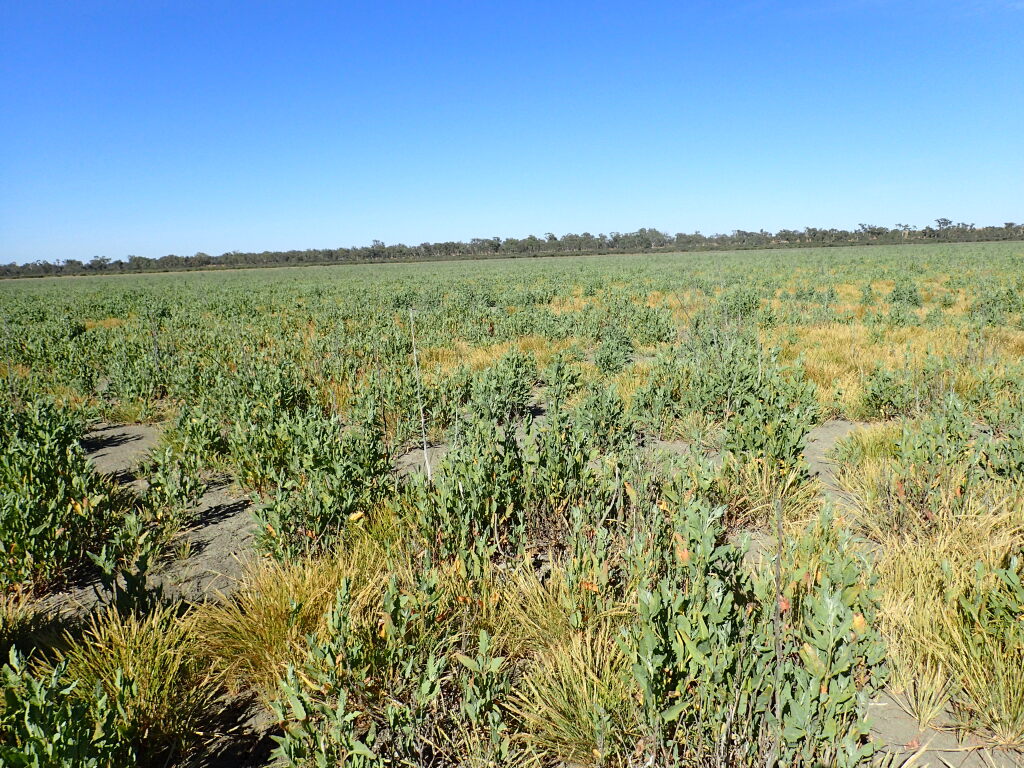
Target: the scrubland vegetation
(617, 553)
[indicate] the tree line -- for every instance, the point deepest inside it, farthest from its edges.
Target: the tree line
(642, 241)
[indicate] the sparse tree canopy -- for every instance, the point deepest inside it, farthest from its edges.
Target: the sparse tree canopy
(642, 241)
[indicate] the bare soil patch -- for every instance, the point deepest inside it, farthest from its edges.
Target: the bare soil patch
(118, 449)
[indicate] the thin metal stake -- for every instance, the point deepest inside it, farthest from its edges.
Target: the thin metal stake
(419, 394)
(773, 756)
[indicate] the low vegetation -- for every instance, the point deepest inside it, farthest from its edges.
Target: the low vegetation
(537, 513)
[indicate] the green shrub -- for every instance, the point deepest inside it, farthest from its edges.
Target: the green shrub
(53, 506)
(47, 723)
(175, 484)
(500, 393)
(602, 417)
(475, 506)
(335, 477)
(705, 653)
(905, 292)
(358, 699)
(886, 394)
(320, 728)
(739, 302)
(614, 352)
(772, 423)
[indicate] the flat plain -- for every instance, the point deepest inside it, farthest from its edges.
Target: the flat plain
(737, 508)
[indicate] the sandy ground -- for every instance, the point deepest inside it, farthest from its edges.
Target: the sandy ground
(118, 449)
(413, 461)
(820, 442)
(212, 552)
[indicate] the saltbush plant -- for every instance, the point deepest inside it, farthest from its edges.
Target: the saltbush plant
(45, 721)
(329, 477)
(54, 508)
(724, 678)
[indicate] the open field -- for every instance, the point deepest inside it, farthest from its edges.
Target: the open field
(749, 508)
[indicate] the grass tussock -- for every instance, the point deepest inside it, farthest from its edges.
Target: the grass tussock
(940, 540)
(574, 701)
(751, 488)
(24, 623)
(151, 668)
(251, 636)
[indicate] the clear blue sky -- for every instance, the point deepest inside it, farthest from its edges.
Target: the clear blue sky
(152, 127)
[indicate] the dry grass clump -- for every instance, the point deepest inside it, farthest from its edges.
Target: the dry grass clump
(875, 442)
(939, 537)
(839, 357)
(532, 614)
(886, 502)
(574, 701)
(22, 620)
(252, 636)
(524, 613)
(151, 669)
(750, 488)
(444, 360)
(943, 660)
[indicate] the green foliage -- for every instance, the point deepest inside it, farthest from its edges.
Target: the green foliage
(53, 506)
(45, 723)
(614, 351)
(773, 423)
(887, 394)
(703, 650)
(395, 675)
(483, 616)
(320, 729)
(739, 302)
(867, 295)
(992, 306)
(834, 656)
(124, 566)
(485, 684)
(767, 411)
(175, 484)
(687, 642)
(500, 393)
(591, 579)
(335, 477)
(905, 292)
(603, 418)
(475, 506)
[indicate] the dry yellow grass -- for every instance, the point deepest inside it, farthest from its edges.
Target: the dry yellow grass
(925, 561)
(683, 305)
(919, 581)
(574, 701)
(250, 637)
(106, 322)
(629, 380)
(170, 695)
(19, 370)
(837, 357)
(564, 305)
(443, 360)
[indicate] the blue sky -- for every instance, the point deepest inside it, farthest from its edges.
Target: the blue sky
(148, 127)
